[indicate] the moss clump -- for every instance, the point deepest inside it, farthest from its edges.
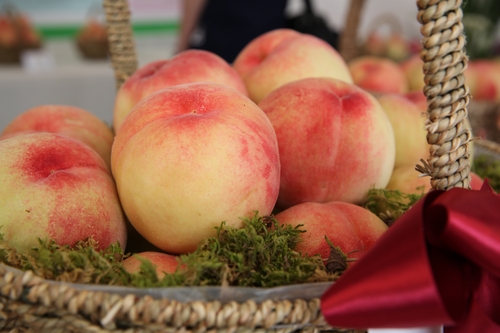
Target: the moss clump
(260, 254)
(389, 205)
(488, 168)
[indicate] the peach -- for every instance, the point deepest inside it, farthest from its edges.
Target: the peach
(375, 45)
(282, 56)
(476, 181)
(398, 48)
(413, 70)
(71, 121)
(483, 78)
(164, 263)
(418, 98)
(407, 180)
(185, 67)
(191, 156)
(352, 228)
(378, 75)
(55, 187)
(335, 141)
(408, 123)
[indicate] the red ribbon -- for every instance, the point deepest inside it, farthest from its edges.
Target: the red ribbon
(439, 264)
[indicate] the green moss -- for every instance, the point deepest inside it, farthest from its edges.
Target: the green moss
(389, 205)
(260, 254)
(488, 168)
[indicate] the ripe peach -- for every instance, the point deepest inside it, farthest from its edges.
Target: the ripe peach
(352, 228)
(378, 75)
(476, 181)
(185, 67)
(483, 79)
(191, 156)
(413, 70)
(418, 98)
(397, 47)
(335, 141)
(163, 262)
(408, 123)
(71, 121)
(375, 45)
(406, 179)
(52, 186)
(282, 56)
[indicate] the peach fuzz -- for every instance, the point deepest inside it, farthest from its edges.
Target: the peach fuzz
(378, 75)
(476, 181)
(352, 228)
(185, 67)
(418, 98)
(191, 156)
(68, 120)
(397, 48)
(55, 187)
(483, 79)
(282, 56)
(375, 45)
(413, 70)
(408, 123)
(335, 141)
(407, 180)
(163, 262)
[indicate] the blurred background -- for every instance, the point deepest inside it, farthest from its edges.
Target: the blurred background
(64, 60)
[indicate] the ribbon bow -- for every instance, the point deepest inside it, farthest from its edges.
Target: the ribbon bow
(439, 264)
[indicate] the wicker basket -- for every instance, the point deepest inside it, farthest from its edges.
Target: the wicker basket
(91, 41)
(12, 54)
(29, 303)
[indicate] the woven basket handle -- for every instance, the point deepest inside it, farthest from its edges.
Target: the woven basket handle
(447, 94)
(120, 39)
(349, 47)
(444, 64)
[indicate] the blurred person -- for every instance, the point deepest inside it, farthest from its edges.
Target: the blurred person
(225, 27)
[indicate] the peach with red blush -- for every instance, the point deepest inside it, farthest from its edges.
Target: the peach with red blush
(55, 187)
(191, 156)
(185, 67)
(164, 263)
(350, 227)
(282, 56)
(378, 75)
(74, 122)
(335, 141)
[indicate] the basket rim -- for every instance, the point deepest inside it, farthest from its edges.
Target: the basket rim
(223, 294)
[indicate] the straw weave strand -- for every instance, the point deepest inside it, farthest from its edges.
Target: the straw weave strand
(447, 94)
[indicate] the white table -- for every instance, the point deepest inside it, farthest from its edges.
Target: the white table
(90, 87)
(69, 79)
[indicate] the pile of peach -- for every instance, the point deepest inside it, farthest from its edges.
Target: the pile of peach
(289, 128)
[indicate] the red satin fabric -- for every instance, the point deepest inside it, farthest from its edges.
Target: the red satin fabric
(439, 264)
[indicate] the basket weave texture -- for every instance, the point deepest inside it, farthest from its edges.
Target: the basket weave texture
(29, 303)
